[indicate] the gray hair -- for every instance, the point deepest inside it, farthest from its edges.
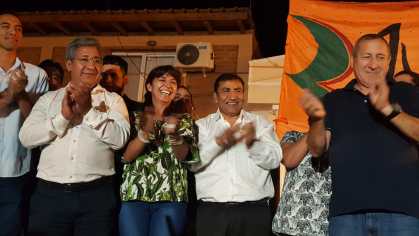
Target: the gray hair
(72, 47)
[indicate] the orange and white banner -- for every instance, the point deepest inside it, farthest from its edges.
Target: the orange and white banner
(319, 44)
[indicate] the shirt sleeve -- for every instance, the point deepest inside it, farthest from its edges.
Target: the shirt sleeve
(266, 151)
(111, 127)
(38, 128)
(208, 148)
(41, 81)
(291, 137)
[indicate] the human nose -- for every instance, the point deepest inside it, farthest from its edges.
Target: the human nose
(373, 64)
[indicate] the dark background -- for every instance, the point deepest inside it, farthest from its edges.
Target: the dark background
(269, 18)
(269, 15)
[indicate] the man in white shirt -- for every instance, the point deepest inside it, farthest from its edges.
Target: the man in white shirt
(237, 149)
(20, 85)
(80, 125)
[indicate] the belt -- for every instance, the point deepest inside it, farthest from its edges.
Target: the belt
(76, 187)
(261, 202)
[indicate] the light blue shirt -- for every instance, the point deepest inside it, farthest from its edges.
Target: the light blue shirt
(14, 158)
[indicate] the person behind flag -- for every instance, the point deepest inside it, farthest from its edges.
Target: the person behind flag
(407, 77)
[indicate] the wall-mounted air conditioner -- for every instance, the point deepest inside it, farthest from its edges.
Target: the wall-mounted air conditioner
(194, 56)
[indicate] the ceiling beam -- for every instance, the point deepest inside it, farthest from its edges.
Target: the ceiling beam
(139, 16)
(119, 27)
(90, 28)
(61, 27)
(209, 27)
(38, 28)
(178, 27)
(147, 27)
(241, 26)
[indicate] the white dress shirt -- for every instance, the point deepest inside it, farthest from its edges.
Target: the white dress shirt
(80, 153)
(14, 158)
(238, 174)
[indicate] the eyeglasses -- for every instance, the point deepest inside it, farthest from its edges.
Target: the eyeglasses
(96, 61)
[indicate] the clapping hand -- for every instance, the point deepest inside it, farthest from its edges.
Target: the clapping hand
(80, 93)
(76, 102)
(229, 137)
(18, 81)
(248, 134)
(312, 106)
(170, 126)
(379, 96)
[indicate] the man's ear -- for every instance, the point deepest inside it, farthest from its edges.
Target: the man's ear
(68, 65)
(125, 79)
(214, 95)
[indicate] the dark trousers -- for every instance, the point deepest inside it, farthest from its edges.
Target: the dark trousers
(11, 205)
(80, 209)
(230, 219)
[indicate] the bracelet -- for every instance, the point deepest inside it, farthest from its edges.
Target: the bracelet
(169, 126)
(396, 110)
(124, 161)
(143, 136)
(175, 141)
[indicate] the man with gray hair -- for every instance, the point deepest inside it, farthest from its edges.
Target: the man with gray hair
(80, 125)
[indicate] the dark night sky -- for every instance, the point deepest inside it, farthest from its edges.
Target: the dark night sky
(270, 20)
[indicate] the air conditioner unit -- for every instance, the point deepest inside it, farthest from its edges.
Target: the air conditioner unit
(194, 56)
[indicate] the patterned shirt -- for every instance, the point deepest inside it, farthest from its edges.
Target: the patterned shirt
(304, 205)
(157, 175)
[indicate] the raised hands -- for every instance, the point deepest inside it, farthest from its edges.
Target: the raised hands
(229, 137)
(379, 96)
(236, 134)
(171, 125)
(76, 102)
(18, 81)
(248, 134)
(312, 106)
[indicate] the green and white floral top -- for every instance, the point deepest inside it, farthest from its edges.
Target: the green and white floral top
(156, 175)
(304, 205)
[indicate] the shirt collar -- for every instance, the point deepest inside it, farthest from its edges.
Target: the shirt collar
(17, 63)
(96, 90)
(243, 116)
(351, 86)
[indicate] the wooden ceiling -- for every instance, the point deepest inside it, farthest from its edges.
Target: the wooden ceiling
(137, 22)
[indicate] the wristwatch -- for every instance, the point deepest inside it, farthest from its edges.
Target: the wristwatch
(396, 111)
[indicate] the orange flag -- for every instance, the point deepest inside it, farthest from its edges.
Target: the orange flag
(319, 47)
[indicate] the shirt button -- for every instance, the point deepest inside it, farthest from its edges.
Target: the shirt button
(365, 101)
(72, 158)
(71, 177)
(74, 140)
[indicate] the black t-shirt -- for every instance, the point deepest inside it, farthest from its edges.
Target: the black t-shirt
(374, 166)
